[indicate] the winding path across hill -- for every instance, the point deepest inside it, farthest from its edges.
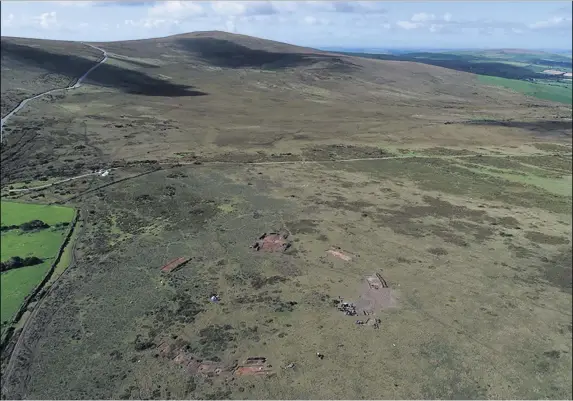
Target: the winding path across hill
(76, 85)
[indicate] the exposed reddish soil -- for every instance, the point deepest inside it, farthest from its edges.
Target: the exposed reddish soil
(253, 371)
(272, 242)
(254, 367)
(174, 264)
(375, 296)
(338, 253)
(192, 364)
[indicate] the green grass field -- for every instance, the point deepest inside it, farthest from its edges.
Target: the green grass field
(18, 213)
(555, 93)
(16, 284)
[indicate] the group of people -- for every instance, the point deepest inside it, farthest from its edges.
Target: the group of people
(348, 308)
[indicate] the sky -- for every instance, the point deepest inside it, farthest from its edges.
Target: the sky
(353, 24)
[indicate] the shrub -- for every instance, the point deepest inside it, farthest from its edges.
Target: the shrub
(33, 225)
(16, 262)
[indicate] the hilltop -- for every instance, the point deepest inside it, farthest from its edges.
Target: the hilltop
(215, 92)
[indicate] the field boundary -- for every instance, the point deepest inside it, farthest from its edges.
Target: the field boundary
(162, 165)
(10, 331)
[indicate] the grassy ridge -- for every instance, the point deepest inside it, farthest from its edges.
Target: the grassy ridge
(555, 93)
(18, 283)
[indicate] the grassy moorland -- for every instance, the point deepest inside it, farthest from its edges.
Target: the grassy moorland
(457, 193)
(517, 70)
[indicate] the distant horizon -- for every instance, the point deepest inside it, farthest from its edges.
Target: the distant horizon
(352, 24)
(348, 48)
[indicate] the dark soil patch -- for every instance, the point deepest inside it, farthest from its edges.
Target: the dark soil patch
(558, 162)
(440, 208)
(480, 233)
(552, 147)
(214, 339)
(558, 271)
(505, 163)
(166, 316)
(275, 303)
(541, 238)
(287, 268)
(507, 222)
(303, 226)
(520, 251)
(438, 251)
(459, 382)
(406, 221)
(142, 344)
(259, 282)
(439, 151)
(445, 176)
(337, 152)
(342, 203)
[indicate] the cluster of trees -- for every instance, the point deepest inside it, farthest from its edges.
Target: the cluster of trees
(16, 261)
(28, 226)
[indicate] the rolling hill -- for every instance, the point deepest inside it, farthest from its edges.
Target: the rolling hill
(438, 203)
(215, 92)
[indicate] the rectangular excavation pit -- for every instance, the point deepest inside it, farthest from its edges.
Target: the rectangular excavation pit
(174, 264)
(272, 242)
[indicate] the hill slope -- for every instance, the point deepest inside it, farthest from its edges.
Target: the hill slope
(27, 72)
(215, 93)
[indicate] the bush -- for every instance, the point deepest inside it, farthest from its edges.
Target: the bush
(16, 261)
(7, 228)
(33, 225)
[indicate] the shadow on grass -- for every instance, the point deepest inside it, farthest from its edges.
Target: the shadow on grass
(226, 54)
(125, 80)
(547, 127)
(465, 63)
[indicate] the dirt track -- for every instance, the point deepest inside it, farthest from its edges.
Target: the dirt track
(76, 85)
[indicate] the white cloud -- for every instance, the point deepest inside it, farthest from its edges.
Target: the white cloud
(436, 28)
(150, 23)
(431, 22)
(176, 9)
(310, 20)
(310, 23)
(408, 25)
(230, 25)
(554, 22)
(73, 3)
(47, 20)
(230, 7)
(343, 6)
(238, 8)
(447, 24)
(422, 17)
(7, 23)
